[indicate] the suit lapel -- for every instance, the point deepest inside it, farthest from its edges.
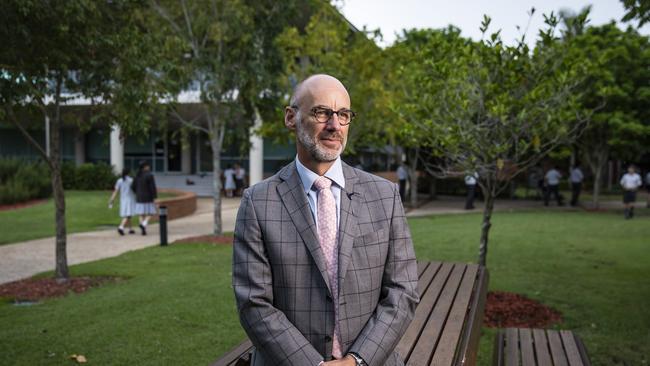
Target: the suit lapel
(348, 228)
(293, 197)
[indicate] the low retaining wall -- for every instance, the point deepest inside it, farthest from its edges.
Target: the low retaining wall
(183, 204)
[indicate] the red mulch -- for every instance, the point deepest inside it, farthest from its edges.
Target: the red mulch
(14, 206)
(32, 289)
(507, 309)
(211, 239)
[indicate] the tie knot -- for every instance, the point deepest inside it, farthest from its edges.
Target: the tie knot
(321, 183)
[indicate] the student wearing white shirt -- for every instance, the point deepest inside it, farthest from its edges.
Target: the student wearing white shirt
(631, 181)
(576, 177)
(552, 180)
(647, 187)
(470, 183)
(402, 176)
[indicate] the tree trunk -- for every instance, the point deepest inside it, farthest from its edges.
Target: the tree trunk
(485, 226)
(216, 184)
(413, 175)
(432, 188)
(598, 172)
(217, 132)
(597, 161)
(61, 270)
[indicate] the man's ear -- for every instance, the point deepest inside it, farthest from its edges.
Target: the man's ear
(290, 115)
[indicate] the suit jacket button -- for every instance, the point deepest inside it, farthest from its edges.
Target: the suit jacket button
(328, 338)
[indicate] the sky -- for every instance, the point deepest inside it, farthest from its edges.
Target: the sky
(393, 16)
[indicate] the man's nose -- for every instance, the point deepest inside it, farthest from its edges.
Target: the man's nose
(333, 123)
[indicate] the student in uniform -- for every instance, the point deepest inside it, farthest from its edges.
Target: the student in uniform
(470, 184)
(145, 190)
(127, 201)
(647, 187)
(552, 179)
(229, 184)
(631, 181)
(576, 177)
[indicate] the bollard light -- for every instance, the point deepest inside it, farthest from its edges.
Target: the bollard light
(162, 219)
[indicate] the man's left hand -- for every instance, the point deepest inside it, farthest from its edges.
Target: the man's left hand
(345, 361)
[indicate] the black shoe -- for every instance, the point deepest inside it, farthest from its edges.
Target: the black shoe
(143, 229)
(131, 231)
(119, 230)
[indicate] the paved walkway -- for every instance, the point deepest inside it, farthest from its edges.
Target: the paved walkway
(25, 259)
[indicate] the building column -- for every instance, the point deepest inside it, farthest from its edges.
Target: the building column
(256, 152)
(117, 150)
(79, 148)
(47, 136)
(186, 157)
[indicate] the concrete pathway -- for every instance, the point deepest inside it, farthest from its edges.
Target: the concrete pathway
(25, 259)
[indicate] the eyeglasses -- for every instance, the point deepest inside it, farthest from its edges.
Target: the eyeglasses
(323, 115)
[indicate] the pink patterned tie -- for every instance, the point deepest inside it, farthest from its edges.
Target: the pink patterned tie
(327, 235)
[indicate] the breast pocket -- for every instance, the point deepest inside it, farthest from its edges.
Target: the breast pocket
(370, 249)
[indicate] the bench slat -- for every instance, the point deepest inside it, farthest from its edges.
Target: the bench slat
(526, 343)
(541, 347)
(427, 299)
(427, 277)
(422, 312)
(559, 358)
(233, 355)
(422, 266)
(571, 348)
(430, 336)
(512, 347)
(456, 319)
(468, 350)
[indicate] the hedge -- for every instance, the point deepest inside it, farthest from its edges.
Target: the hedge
(22, 181)
(88, 177)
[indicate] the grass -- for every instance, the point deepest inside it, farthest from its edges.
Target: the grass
(178, 307)
(591, 267)
(85, 211)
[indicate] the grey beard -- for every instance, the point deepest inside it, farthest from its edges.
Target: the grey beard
(310, 143)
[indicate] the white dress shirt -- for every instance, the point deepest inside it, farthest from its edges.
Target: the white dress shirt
(631, 182)
(553, 177)
(307, 177)
(576, 175)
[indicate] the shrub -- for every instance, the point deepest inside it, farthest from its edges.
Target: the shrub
(88, 177)
(28, 181)
(8, 167)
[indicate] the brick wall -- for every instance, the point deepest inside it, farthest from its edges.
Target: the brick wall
(183, 204)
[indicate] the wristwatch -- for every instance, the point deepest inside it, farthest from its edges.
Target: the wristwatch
(357, 359)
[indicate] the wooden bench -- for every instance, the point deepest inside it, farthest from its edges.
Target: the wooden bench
(447, 323)
(538, 347)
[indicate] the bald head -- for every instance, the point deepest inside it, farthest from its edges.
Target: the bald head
(319, 143)
(318, 85)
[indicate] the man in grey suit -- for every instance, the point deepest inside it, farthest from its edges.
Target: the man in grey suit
(324, 270)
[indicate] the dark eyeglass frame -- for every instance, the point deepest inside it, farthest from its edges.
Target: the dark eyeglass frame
(330, 112)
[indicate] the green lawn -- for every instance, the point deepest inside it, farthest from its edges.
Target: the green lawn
(592, 267)
(177, 307)
(85, 211)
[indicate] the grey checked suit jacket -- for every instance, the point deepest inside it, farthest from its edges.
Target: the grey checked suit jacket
(281, 282)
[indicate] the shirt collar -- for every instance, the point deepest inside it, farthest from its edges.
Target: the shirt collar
(335, 173)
